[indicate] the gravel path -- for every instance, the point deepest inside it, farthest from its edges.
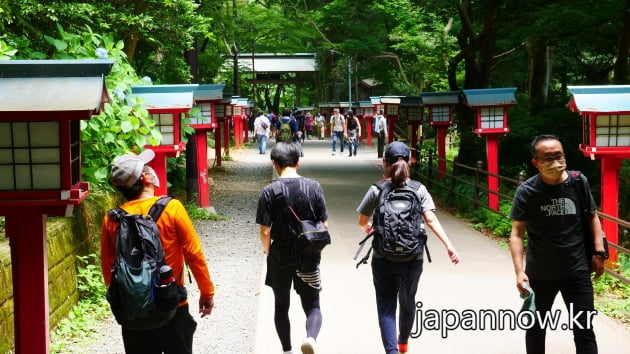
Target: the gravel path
(235, 259)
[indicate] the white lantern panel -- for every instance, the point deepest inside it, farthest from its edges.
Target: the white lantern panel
(23, 177)
(44, 134)
(391, 109)
(219, 110)
(168, 139)
(368, 111)
(6, 178)
(46, 177)
(50, 155)
(237, 111)
(165, 119)
(414, 113)
(20, 135)
(228, 110)
(440, 113)
(6, 156)
(491, 118)
(5, 135)
(21, 156)
(612, 130)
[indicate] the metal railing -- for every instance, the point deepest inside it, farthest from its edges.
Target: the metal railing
(456, 175)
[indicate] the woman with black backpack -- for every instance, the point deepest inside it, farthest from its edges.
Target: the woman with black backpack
(396, 279)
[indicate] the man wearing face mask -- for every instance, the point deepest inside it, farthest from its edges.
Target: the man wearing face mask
(547, 206)
(136, 180)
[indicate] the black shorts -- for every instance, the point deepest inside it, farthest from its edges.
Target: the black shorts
(279, 278)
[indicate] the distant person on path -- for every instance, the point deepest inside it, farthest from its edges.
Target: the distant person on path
(354, 132)
(307, 199)
(548, 207)
(337, 130)
(398, 281)
(287, 130)
(380, 129)
(273, 119)
(308, 125)
(321, 125)
(137, 181)
(261, 129)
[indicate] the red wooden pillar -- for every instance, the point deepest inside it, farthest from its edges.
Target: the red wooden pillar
(29, 263)
(217, 141)
(441, 144)
(226, 135)
(492, 151)
(610, 171)
(368, 129)
(159, 165)
(391, 124)
(202, 170)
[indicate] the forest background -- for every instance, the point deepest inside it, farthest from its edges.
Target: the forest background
(405, 46)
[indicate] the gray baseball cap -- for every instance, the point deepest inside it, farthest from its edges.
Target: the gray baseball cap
(127, 168)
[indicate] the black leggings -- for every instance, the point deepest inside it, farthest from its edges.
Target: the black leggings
(310, 305)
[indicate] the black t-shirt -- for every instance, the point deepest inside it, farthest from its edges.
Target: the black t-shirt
(553, 216)
(307, 199)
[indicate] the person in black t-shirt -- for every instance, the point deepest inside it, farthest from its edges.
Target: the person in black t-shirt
(547, 206)
(306, 197)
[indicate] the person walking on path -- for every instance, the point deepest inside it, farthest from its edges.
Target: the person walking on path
(337, 130)
(308, 124)
(137, 181)
(548, 207)
(293, 135)
(307, 199)
(398, 281)
(380, 129)
(261, 129)
(321, 126)
(354, 132)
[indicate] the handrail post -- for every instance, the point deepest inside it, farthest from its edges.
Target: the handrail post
(451, 190)
(476, 196)
(430, 168)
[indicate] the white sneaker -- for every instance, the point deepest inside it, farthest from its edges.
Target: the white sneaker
(308, 346)
(333, 153)
(288, 352)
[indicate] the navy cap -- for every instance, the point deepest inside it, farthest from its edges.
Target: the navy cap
(395, 150)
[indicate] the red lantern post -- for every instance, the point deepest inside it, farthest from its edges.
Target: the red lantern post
(41, 105)
(413, 111)
(440, 106)
(222, 111)
(490, 106)
(205, 97)
(166, 105)
(366, 109)
(605, 112)
(391, 106)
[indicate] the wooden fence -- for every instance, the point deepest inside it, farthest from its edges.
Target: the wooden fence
(456, 175)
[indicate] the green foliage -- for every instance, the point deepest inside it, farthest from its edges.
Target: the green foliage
(197, 213)
(498, 224)
(85, 318)
(612, 296)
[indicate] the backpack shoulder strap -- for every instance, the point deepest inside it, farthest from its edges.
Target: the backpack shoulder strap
(159, 206)
(414, 184)
(117, 214)
(577, 182)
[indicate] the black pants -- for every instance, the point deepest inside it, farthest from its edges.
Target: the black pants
(174, 338)
(381, 143)
(576, 290)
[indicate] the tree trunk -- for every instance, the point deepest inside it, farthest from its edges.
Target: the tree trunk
(622, 63)
(192, 59)
(538, 56)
